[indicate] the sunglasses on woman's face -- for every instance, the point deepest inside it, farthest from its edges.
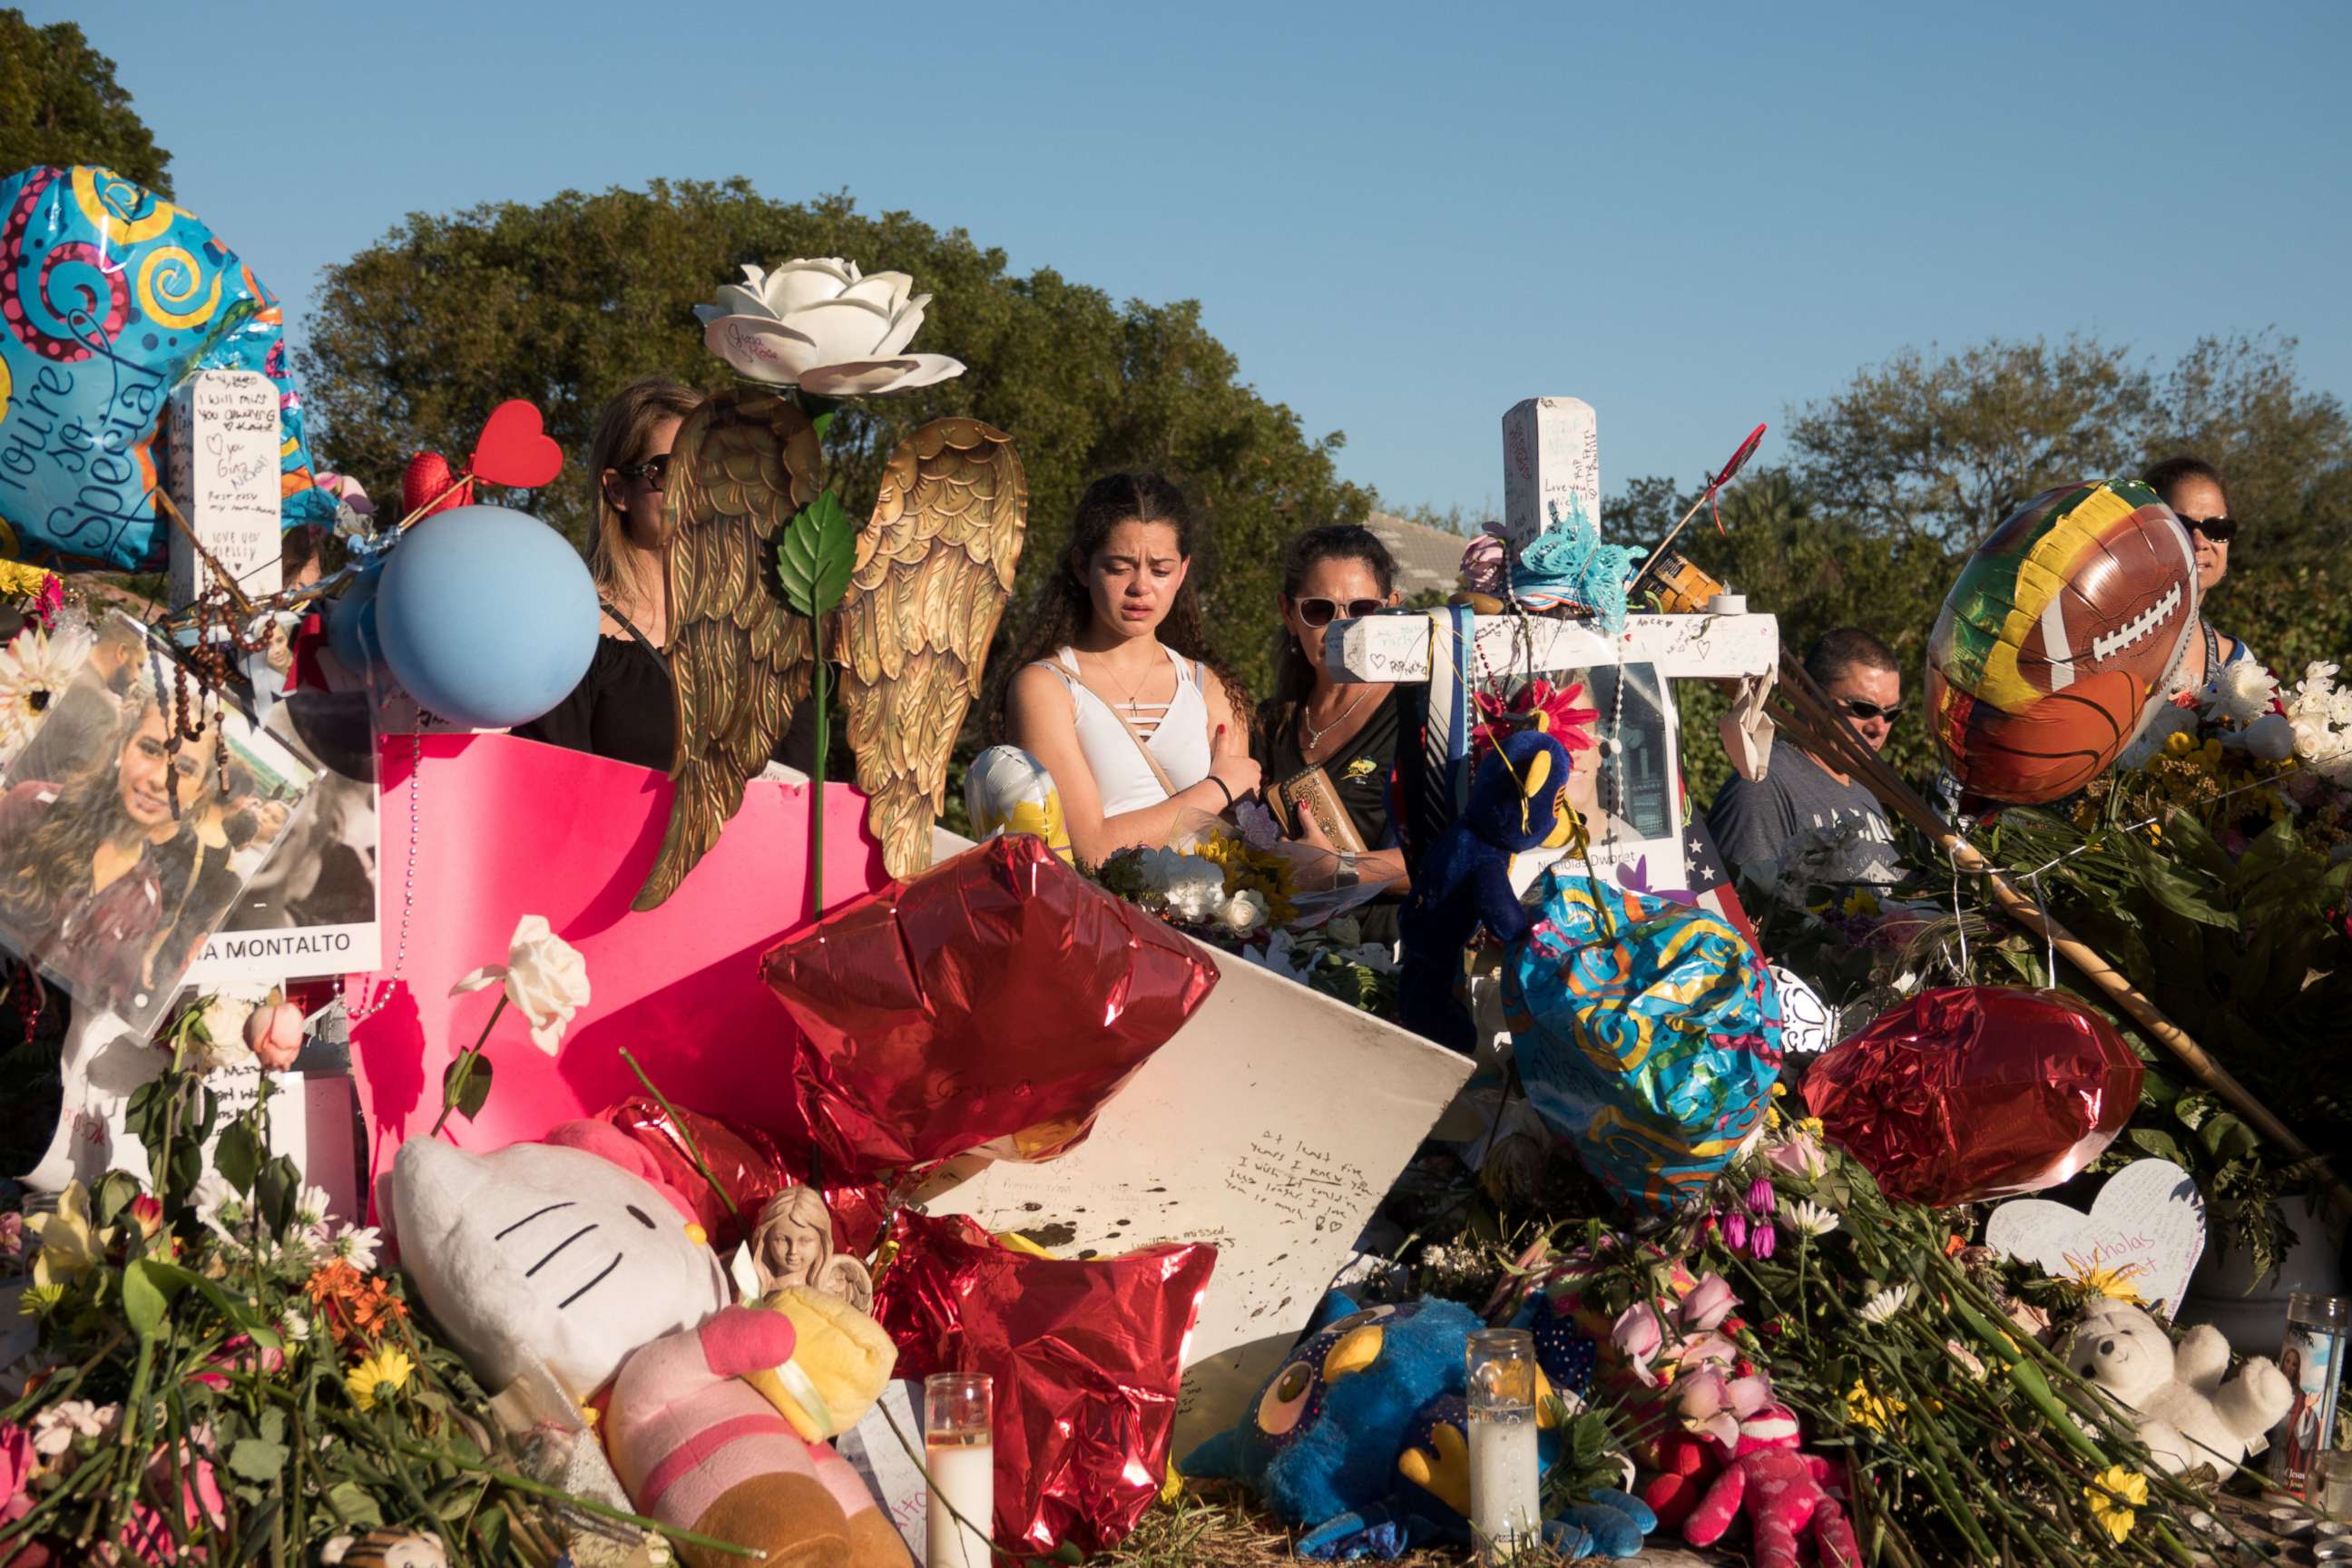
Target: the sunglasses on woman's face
(654, 471)
(1868, 710)
(2219, 530)
(1323, 611)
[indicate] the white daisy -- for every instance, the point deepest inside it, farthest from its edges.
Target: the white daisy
(1808, 1218)
(34, 669)
(220, 1208)
(296, 1325)
(1882, 1307)
(356, 1245)
(312, 1209)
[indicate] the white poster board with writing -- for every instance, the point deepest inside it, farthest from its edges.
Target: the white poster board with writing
(1272, 1125)
(223, 464)
(1551, 459)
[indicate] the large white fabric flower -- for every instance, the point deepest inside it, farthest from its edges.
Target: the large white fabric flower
(819, 324)
(34, 669)
(545, 978)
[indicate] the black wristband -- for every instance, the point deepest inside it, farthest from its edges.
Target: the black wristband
(1221, 789)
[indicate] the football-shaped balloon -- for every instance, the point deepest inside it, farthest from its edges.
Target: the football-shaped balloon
(486, 617)
(2062, 627)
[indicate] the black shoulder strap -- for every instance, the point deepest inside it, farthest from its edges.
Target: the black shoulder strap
(630, 626)
(2213, 648)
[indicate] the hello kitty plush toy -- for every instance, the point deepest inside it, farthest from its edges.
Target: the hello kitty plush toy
(572, 1255)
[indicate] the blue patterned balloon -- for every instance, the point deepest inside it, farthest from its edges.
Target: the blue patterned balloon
(1648, 1034)
(110, 296)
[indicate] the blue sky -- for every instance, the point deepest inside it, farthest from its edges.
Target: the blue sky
(1401, 217)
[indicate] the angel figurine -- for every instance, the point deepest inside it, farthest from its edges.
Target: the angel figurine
(932, 572)
(792, 1245)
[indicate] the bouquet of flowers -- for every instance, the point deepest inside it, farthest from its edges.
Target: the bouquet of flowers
(223, 1373)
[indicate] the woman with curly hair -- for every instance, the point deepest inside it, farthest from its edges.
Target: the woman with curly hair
(1117, 694)
(81, 887)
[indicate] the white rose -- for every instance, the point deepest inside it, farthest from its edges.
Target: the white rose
(1246, 911)
(545, 978)
(818, 324)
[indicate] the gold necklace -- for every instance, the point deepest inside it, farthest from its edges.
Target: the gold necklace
(1314, 735)
(1133, 695)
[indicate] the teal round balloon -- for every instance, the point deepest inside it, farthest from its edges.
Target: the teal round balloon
(487, 616)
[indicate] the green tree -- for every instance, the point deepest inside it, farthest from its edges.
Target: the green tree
(1947, 445)
(414, 339)
(60, 104)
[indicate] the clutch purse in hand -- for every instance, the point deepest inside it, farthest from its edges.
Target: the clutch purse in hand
(1310, 792)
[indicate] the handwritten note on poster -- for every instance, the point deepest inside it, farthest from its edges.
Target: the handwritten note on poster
(1271, 1126)
(223, 465)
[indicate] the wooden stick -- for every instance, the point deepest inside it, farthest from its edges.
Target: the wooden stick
(1825, 730)
(220, 572)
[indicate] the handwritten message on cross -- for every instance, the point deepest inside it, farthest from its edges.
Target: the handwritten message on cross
(1552, 469)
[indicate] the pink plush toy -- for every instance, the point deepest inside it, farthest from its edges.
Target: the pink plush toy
(1782, 1491)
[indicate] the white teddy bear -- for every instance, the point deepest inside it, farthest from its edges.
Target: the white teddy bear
(2187, 1416)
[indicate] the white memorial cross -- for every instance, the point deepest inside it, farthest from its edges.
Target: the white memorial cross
(1551, 459)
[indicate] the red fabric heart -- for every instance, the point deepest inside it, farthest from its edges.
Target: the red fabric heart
(427, 483)
(514, 448)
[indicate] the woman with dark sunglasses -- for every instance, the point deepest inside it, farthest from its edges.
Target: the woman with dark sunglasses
(2192, 488)
(1348, 730)
(625, 706)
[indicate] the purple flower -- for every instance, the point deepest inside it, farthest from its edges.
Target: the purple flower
(1759, 1196)
(1763, 1241)
(1735, 1229)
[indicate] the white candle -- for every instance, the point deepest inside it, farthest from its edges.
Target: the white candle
(963, 1478)
(1505, 1479)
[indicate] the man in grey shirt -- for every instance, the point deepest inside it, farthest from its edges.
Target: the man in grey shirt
(1802, 797)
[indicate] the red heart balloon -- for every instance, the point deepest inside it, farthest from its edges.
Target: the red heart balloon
(514, 448)
(427, 483)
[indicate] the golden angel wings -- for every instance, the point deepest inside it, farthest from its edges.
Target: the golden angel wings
(934, 569)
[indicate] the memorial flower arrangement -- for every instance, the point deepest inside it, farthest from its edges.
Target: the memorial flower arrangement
(1917, 1366)
(225, 1372)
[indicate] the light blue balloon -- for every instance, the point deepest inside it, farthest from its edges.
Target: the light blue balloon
(350, 624)
(487, 616)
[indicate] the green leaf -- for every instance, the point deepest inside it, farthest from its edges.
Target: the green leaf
(353, 1504)
(238, 1156)
(114, 1195)
(2227, 1138)
(2160, 1144)
(257, 1459)
(818, 553)
(275, 1188)
(273, 1425)
(144, 1301)
(474, 1092)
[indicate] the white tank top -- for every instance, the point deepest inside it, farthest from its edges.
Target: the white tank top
(1178, 735)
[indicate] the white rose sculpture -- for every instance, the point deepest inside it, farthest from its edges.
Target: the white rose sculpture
(818, 324)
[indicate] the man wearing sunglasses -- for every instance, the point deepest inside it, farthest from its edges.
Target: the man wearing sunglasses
(1800, 796)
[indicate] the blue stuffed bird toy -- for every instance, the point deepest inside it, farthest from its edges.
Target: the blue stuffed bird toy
(1518, 802)
(1360, 1439)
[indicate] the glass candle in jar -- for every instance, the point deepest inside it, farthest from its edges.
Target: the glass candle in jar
(1505, 1509)
(2313, 1360)
(960, 1457)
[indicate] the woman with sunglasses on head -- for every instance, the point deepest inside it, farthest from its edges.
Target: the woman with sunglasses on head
(1117, 694)
(626, 707)
(2192, 488)
(1348, 730)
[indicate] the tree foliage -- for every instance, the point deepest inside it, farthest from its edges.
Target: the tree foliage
(1894, 479)
(60, 104)
(413, 341)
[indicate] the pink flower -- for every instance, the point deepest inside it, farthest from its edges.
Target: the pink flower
(148, 1214)
(18, 1463)
(1701, 1349)
(1712, 1403)
(1735, 1229)
(1799, 1154)
(12, 1236)
(1763, 1240)
(1638, 1333)
(147, 1536)
(274, 1034)
(1710, 1302)
(1759, 1196)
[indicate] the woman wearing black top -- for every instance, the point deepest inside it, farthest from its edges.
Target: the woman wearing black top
(1348, 730)
(625, 706)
